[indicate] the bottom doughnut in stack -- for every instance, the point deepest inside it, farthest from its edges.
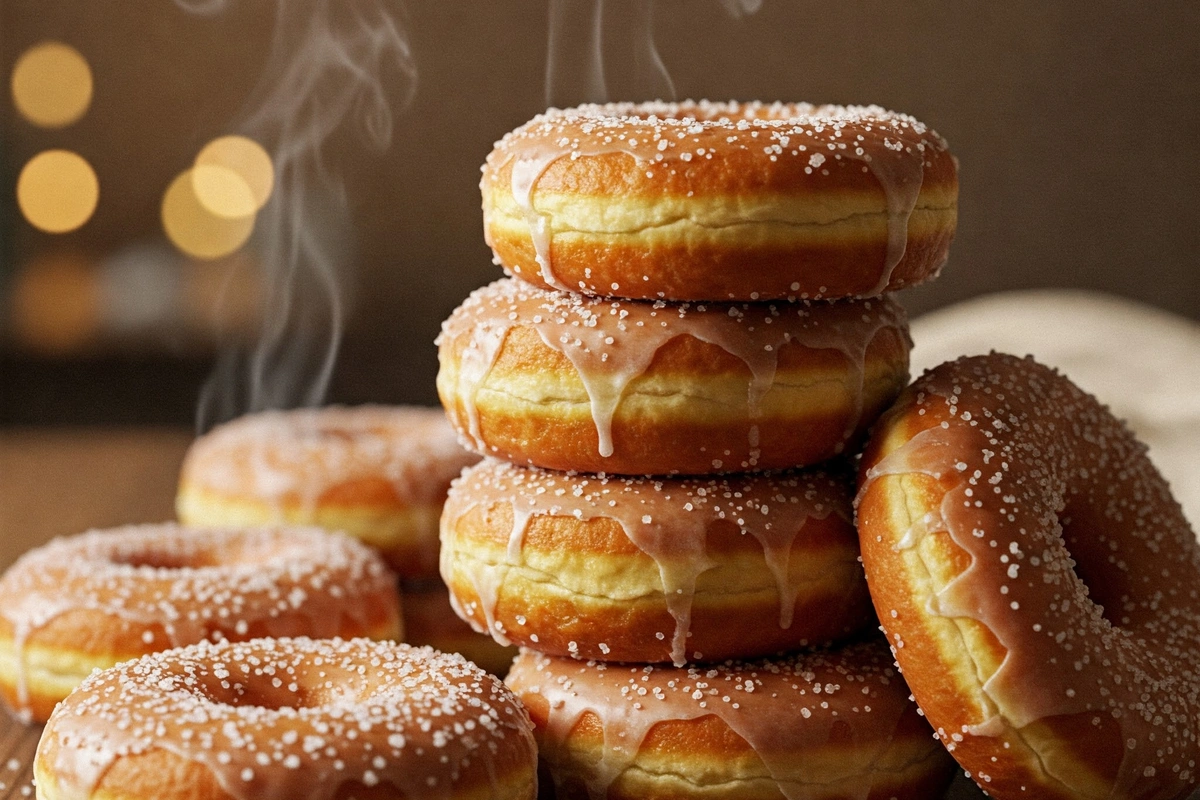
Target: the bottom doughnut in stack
(822, 724)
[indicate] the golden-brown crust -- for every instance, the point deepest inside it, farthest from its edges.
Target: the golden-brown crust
(643, 570)
(379, 473)
(355, 719)
(1006, 653)
(682, 380)
(91, 601)
(706, 201)
(810, 723)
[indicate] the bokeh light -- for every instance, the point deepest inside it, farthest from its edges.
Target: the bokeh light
(52, 84)
(233, 176)
(57, 191)
(56, 304)
(195, 229)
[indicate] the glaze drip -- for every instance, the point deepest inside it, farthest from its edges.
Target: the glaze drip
(667, 519)
(612, 342)
(662, 137)
(779, 707)
(1026, 458)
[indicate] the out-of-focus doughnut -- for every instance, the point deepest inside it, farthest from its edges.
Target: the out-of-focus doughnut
(815, 725)
(721, 201)
(565, 382)
(1038, 583)
(289, 719)
(90, 601)
(378, 473)
(637, 569)
(429, 619)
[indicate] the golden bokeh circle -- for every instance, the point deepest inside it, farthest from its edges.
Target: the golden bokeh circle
(233, 176)
(52, 84)
(195, 229)
(57, 191)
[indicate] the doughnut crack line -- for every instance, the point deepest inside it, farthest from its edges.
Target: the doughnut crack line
(1017, 539)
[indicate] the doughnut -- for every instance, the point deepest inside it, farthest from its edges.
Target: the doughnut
(378, 473)
(814, 725)
(294, 719)
(90, 601)
(637, 569)
(721, 201)
(429, 619)
(566, 382)
(1039, 585)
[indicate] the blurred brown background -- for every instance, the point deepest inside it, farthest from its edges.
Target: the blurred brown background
(1075, 125)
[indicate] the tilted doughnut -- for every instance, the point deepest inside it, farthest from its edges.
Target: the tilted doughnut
(639, 569)
(815, 725)
(1038, 583)
(721, 201)
(90, 601)
(289, 719)
(565, 382)
(379, 473)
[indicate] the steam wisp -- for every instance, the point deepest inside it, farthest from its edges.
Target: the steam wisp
(331, 62)
(586, 33)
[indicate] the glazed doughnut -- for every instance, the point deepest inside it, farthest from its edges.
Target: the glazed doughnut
(814, 725)
(378, 473)
(721, 201)
(429, 619)
(565, 382)
(93, 600)
(289, 719)
(636, 569)
(1038, 583)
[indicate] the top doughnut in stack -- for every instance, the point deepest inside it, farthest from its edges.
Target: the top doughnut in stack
(697, 290)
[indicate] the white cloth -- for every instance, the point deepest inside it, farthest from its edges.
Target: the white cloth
(1144, 363)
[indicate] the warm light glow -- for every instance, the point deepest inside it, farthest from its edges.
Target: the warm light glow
(55, 303)
(57, 191)
(194, 229)
(52, 84)
(233, 176)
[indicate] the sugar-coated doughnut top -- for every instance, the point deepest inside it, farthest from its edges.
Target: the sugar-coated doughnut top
(694, 130)
(296, 456)
(195, 583)
(295, 718)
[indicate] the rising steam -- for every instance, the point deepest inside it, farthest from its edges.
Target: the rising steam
(575, 71)
(331, 62)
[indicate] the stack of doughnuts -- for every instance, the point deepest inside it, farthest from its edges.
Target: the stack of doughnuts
(378, 473)
(695, 332)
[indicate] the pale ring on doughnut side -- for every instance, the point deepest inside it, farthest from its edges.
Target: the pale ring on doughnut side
(566, 382)
(721, 201)
(1038, 584)
(654, 569)
(815, 725)
(378, 473)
